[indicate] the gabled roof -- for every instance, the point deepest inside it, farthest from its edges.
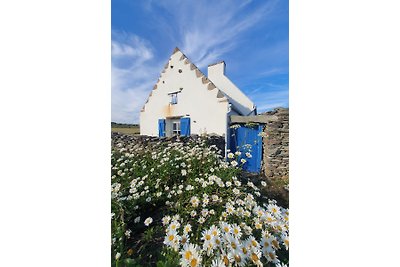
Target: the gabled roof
(210, 85)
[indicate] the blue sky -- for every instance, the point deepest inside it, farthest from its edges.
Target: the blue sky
(252, 37)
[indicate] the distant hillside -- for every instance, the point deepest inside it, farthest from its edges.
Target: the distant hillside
(123, 125)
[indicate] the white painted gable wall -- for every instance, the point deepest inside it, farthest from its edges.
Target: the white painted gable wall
(207, 112)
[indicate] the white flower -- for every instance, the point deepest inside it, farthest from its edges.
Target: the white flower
(117, 256)
(137, 219)
(195, 201)
(148, 221)
(187, 228)
(236, 191)
(128, 233)
(263, 183)
(184, 172)
(248, 155)
(165, 220)
(234, 163)
(201, 220)
(243, 161)
(231, 155)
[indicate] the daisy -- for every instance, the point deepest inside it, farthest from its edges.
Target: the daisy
(237, 232)
(148, 221)
(237, 257)
(174, 226)
(225, 227)
(204, 212)
(195, 201)
(171, 238)
(201, 220)
(185, 239)
(286, 241)
(255, 256)
(188, 252)
(187, 228)
(214, 231)
(232, 242)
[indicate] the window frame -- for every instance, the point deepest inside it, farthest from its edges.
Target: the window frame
(176, 127)
(174, 98)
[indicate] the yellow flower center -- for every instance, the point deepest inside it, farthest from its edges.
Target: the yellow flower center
(274, 210)
(266, 244)
(217, 241)
(233, 245)
(193, 262)
(235, 231)
(286, 242)
(237, 258)
(214, 233)
(188, 255)
(254, 243)
(275, 243)
(171, 237)
(226, 260)
(208, 237)
(173, 227)
(226, 229)
(254, 257)
(271, 255)
(244, 250)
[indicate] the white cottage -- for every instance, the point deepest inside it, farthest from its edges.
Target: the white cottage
(184, 101)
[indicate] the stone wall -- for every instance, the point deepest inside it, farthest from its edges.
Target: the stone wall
(276, 144)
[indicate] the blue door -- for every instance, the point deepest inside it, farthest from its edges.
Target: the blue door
(161, 127)
(247, 140)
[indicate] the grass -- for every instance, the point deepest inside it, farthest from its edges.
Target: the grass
(131, 131)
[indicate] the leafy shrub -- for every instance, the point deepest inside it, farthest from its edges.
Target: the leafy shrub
(175, 204)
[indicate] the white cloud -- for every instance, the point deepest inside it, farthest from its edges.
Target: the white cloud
(133, 73)
(207, 30)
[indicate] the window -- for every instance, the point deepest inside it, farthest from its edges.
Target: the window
(174, 98)
(176, 128)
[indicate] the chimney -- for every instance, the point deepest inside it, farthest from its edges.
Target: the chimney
(216, 70)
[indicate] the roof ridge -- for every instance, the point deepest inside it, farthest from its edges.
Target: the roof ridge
(219, 62)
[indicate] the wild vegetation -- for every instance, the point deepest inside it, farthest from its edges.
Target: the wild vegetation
(131, 129)
(177, 204)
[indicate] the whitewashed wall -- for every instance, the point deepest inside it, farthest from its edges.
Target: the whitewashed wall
(207, 112)
(216, 73)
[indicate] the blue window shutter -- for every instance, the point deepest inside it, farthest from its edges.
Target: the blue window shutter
(185, 126)
(161, 127)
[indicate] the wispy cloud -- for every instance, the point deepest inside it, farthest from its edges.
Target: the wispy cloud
(133, 72)
(269, 96)
(207, 30)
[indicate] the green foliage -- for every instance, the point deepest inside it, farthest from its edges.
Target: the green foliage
(155, 182)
